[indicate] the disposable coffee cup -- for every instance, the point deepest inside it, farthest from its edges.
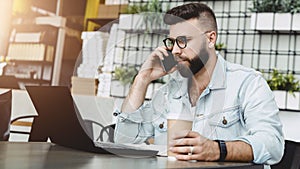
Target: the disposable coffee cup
(177, 123)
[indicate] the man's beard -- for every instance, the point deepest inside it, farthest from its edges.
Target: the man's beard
(196, 64)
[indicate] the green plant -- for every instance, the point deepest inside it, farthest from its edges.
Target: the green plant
(152, 6)
(267, 5)
(287, 82)
(151, 13)
(135, 8)
(220, 46)
(292, 6)
(125, 74)
(295, 6)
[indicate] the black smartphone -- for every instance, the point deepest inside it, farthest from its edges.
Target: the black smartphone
(169, 61)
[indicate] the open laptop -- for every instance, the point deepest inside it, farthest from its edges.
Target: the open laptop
(59, 119)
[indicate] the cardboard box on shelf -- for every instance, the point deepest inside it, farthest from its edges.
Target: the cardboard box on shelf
(84, 86)
(110, 11)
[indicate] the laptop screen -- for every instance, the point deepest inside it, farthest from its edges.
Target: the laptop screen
(58, 118)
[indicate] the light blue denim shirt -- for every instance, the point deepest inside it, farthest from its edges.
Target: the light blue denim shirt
(236, 105)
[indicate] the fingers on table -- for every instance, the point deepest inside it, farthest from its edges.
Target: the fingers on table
(187, 150)
(187, 157)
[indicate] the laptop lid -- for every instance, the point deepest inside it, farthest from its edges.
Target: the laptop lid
(58, 118)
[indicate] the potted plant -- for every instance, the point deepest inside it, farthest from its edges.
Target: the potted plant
(295, 9)
(142, 16)
(281, 15)
(131, 19)
(123, 77)
(286, 89)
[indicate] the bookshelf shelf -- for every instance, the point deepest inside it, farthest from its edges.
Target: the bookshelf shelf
(34, 27)
(36, 81)
(34, 62)
(32, 50)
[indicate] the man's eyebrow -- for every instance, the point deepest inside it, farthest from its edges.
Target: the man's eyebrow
(187, 36)
(171, 37)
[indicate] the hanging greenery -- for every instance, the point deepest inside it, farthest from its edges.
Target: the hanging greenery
(286, 82)
(125, 74)
(281, 6)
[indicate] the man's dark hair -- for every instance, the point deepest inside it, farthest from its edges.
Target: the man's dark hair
(192, 10)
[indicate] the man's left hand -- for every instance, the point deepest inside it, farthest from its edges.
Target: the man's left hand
(190, 145)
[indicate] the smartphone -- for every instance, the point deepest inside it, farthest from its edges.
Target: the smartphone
(169, 61)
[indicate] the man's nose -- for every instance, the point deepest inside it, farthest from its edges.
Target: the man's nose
(176, 50)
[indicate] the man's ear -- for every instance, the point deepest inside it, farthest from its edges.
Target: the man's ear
(212, 37)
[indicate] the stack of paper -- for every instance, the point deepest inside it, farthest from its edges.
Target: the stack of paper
(113, 57)
(84, 86)
(93, 51)
(115, 49)
(104, 84)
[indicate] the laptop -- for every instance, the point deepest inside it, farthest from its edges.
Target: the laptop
(59, 119)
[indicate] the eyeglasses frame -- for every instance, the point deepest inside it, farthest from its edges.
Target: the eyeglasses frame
(176, 40)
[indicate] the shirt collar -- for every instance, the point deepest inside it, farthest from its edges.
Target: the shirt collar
(218, 80)
(178, 85)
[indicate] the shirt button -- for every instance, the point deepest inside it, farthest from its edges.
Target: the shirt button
(161, 125)
(224, 120)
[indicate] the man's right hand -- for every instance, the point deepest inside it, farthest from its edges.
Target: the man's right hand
(152, 68)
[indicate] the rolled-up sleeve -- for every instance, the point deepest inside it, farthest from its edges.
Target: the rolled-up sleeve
(260, 113)
(134, 127)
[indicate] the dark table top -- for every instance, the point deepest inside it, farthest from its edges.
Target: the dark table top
(33, 155)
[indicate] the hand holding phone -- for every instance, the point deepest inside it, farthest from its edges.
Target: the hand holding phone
(169, 61)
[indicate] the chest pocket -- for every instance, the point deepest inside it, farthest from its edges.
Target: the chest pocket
(227, 123)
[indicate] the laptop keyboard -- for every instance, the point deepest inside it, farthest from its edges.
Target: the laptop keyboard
(116, 146)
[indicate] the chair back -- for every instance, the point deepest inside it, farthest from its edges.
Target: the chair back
(291, 156)
(107, 133)
(5, 115)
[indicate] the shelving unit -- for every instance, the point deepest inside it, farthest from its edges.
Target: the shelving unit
(33, 49)
(30, 71)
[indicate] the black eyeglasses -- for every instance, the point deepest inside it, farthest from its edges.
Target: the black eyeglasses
(181, 42)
